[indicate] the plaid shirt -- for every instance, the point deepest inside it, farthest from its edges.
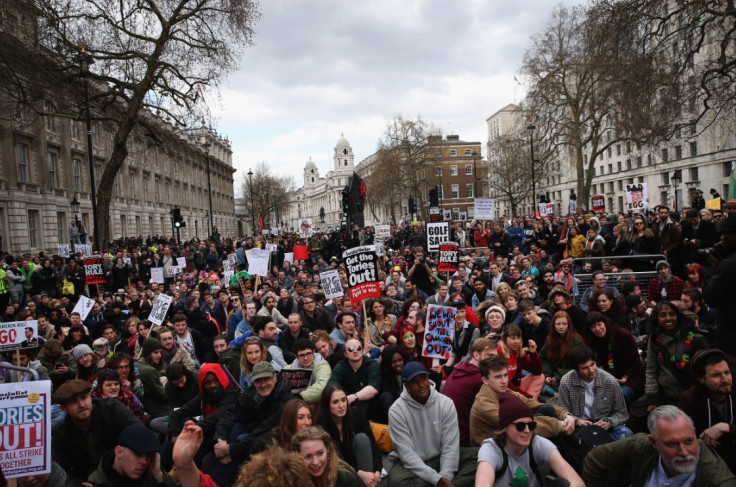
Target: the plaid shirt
(609, 402)
(674, 291)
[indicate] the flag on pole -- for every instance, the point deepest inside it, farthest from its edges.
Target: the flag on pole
(517, 80)
(732, 183)
(260, 224)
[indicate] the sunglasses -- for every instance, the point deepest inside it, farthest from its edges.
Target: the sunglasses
(520, 427)
(357, 348)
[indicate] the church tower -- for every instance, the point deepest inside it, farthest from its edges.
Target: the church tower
(311, 173)
(344, 158)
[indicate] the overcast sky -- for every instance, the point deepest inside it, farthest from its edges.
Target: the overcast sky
(322, 68)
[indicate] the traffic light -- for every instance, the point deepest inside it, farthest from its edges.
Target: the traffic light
(178, 219)
(345, 203)
(412, 205)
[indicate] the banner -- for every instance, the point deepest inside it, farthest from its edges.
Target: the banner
(25, 428)
(598, 203)
(93, 270)
(83, 306)
(298, 379)
(437, 233)
(439, 332)
(331, 284)
(157, 274)
(637, 197)
(258, 262)
(63, 250)
(484, 209)
(18, 334)
(448, 257)
(382, 232)
(160, 307)
(361, 264)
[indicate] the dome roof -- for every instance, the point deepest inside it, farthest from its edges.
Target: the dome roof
(310, 164)
(342, 142)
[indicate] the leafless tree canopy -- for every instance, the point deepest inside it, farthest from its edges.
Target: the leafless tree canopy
(271, 195)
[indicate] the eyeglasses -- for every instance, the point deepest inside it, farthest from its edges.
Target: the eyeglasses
(357, 348)
(233, 298)
(520, 427)
(122, 367)
(305, 354)
(717, 216)
(308, 302)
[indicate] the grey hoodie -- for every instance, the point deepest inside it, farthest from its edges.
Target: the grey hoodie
(422, 432)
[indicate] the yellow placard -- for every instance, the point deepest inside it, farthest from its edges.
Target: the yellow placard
(714, 204)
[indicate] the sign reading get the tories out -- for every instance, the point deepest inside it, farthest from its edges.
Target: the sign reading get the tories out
(361, 266)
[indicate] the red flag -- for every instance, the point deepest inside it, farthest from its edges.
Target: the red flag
(260, 224)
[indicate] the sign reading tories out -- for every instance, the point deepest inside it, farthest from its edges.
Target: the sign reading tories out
(361, 265)
(439, 332)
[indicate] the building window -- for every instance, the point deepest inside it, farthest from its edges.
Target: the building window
(693, 149)
(469, 190)
(468, 152)
(665, 155)
(456, 214)
(610, 168)
(620, 185)
(61, 227)
(628, 164)
(694, 174)
(21, 156)
(678, 152)
(437, 153)
(74, 129)
(94, 134)
(438, 171)
(33, 241)
(48, 119)
(600, 171)
(618, 149)
(453, 152)
(609, 151)
(638, 161)
(131, 185)
(468, 169)
(455, 190)
(471, 213)
(98, 175)
(665, 178)
(53, 175)
(610, 187)
(618, 165)
(453, 170)
(649, 159)
(77, 171)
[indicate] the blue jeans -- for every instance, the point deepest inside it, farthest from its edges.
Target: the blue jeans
(630, 394)
(620, 432)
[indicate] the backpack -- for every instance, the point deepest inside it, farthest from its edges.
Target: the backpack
(532, 463)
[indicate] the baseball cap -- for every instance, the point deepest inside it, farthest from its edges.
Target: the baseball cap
(413, 369)
(262, 370)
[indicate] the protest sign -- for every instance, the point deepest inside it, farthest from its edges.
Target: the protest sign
(713, 204)
(484, 208)
(94, 273)
(361, 265)
(382, 231)
(18, 334)
(226, 276)
(181, 262)
(289, 257)
(448, 257)
(301, 252)
(379, 248)
(298, 379)
(258, 263)
(437, 233)
(447, 215)
(157, 274)
(271, 247)
(25, 428)
(159, 308)
(637, 197)
(63, 250)
(305, 227)
(331, 283)
(172, 271)
(439, 332)
(232, 259)
(573, 206)
(83, 306)
(265, 232)
(227, 266)
(274, 231)
(598, 203)
(546, 209)
(463, 216)
(127, 261)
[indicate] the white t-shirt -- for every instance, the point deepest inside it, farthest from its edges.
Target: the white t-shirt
(518, 469)
(589, 400)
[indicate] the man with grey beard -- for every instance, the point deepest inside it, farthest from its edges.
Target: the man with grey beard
(670, 455)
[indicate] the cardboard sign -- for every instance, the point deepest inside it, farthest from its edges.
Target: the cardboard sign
(157, 274)
(305, 227)
(298, 379)
(637, 197)
(301, 252)
(546, 209)
(232, 259)
(437, 233)
(18, 334)
(93, 271)
(289, 257)
(484, 208)
(448, 257)
(159, 308)
(63, 250)
(439, 332)
(181, 262)
(258, 263)
(447, 215)
(83, 306)
(598, 203)
(172, 271)
(361, 265)
(226, 276)
(382, 232)
(25, 428)
(331, 284)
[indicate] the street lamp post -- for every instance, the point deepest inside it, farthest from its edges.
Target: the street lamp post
(475, 175)
(252, 211)
(531, 128)
(438, 169)
(75, 208)
(84, 60)
(207, 146)
(676, 180)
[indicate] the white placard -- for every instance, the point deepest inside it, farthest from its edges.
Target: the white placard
(181, 262)
(447, 215)
(271, 247)
(331, 284)
(172, 271)
(226, 276)
(437, 233)
(289, 257)
(379, 248)
(484, 208)
(227, 266)
(258, 262)
(157, 274)
(83, 306)
(382, 232)
(305, 227)
(127, 261)
(160, 307)
(63, 250)
(274, 231)
(232, 259)
(25, 425)
(18, 334)
(637, 197)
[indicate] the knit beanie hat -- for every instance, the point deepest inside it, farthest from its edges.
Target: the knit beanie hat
(497, 309)
(150, 345)
(80, 350)
(510, 409)
(662, 263)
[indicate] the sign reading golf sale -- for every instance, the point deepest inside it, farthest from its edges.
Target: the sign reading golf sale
(361, 265)
(437, 233)
(438, 335)
(448, 257)
(25, 428)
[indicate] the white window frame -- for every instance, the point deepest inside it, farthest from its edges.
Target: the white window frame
(453, 170)
(455, 191)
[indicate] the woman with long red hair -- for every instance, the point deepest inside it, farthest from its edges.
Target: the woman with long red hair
(561, 339)
(695, 276)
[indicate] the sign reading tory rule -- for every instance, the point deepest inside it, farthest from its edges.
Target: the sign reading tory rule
(361, 265)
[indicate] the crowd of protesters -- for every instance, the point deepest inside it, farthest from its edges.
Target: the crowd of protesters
(537, 354)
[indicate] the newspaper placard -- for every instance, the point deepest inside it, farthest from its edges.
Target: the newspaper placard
(361, 264)
(160, 307)
(448, 257)
(226, 276)
(227, 266)
(637, 197)
(181, 262)
(331, 283)
(289, 257)
(94, 274)
(172, 271)
(232, 259)
(25, 428)
(437, 233)
(83, 306)
(157, 274)
(298, 379)
(63, 250)
(438, 336)
(382, 231)
(484, 208)
(598, 202)
(18, 334)
(258, 262)
(271, 247)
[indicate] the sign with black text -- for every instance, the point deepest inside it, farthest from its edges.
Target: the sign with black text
(361, 265)
(298, 379)
(18, 334)
(637, 197)
(448, 257)
(437, 233)
(93, 270)
(331, 284)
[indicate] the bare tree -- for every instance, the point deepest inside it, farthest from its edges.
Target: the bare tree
(271, 194)
(150, 56)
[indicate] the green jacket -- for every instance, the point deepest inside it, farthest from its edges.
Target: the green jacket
(154, 396)
(637, 458)
(100, 478)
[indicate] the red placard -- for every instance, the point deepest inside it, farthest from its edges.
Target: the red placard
(448, 257)
(93, 271)
(598, 202)
(301, 252)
